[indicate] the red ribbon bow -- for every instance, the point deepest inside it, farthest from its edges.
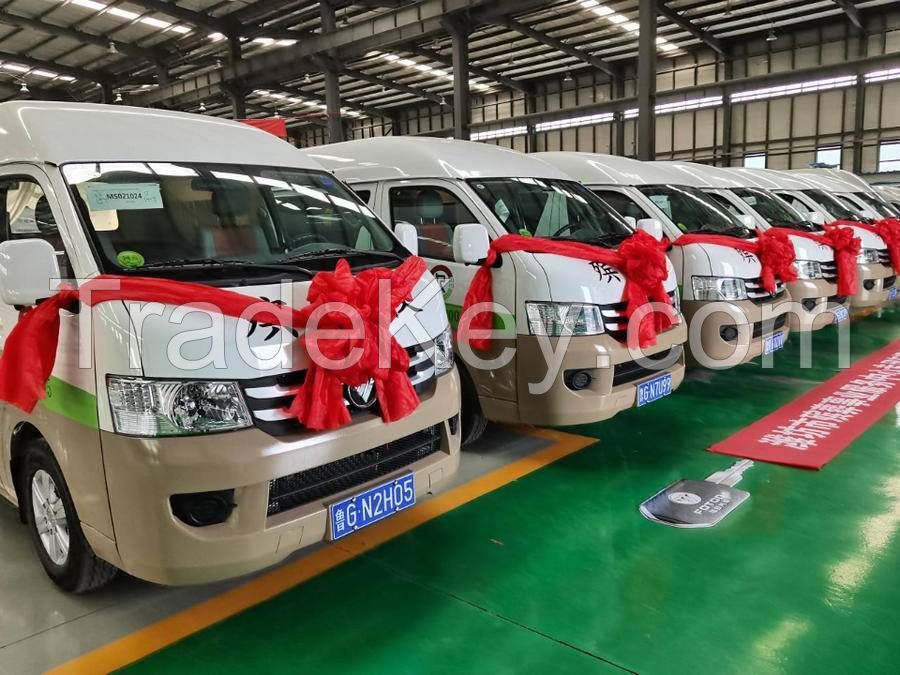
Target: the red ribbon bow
(845, 244)
(886, 228)
(640, 258)
(30, 350)
(773, 248)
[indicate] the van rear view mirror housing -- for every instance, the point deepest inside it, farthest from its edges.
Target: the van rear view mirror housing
(408, 236)
(747, 221)
(470, 243)
(29, 271)
(817, 217)
(651, 226)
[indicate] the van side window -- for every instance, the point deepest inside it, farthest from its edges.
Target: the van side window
(622, 203)
(435, 213)
(363, 194)
(28, 216)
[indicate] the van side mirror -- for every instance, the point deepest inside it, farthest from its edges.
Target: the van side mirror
(632, 221)
(869, 214)
(408, 236)
(470, 243)
(747, 221)
(817, 217)
(652, 227)
(29, 271)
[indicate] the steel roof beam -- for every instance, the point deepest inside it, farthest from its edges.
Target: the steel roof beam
(71, 71)
(558, 45)
(382, 82)
(153, 56)
(223, 25)
(687, 25)
(473, 69)
(852, 13)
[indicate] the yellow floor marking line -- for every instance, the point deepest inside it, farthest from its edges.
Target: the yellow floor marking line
(137, 645)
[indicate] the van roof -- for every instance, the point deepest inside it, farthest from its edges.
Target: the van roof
(702, 175)
(57, 132)
(596, 169)
(387, 157)
(823, 181)
(771, 178)
(835, 177)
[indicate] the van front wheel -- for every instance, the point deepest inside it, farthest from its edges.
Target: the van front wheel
(50, 514)
(473, 420)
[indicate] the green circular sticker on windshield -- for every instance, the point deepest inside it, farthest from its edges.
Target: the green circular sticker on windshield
(129, 259)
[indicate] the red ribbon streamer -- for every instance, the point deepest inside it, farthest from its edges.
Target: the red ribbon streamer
(846, 246)
(640, 258)
(774, 250)
(886, 228)
(30, 350)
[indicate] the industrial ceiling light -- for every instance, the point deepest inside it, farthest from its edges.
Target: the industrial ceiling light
(23, 88)
(202, 107)
(568, 77)
(118, 98)
(307, 79)
(771, 36)
(112, 48)
(443, 101)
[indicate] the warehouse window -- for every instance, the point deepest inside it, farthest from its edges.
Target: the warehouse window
(830, 155)
(755, 161)
(889, 156)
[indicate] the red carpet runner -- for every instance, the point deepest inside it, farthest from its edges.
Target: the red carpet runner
(810, 431)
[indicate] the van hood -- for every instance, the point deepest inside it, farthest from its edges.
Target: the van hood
(212, 346)
(807, 249)
(573, 280)
(723, 261)
(868, 239)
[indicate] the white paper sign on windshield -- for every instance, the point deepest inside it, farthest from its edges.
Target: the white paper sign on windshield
(122, 196)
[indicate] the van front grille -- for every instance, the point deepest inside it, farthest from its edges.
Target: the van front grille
(269, 397)
(614, 320)
(759, 295)
(769, 326)
(318, 483)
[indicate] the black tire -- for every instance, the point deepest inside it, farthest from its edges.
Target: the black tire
(81, 571)
(472, 419)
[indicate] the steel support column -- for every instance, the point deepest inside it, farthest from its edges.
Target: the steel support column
(646, 84)
(462, 111)
(618, 85)
(727, 114)
(859, 116)
(332, 81)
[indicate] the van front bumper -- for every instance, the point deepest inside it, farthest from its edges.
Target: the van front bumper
(752, 323)
(142, 474)
(875, 282)
(814, 301)
(606, 361)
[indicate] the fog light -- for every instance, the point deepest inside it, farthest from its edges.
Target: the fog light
(809, 304)
(576, 380)
(728, 333)
(200, 509)
(869, 284)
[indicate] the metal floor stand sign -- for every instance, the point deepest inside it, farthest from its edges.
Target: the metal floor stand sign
(698, 503)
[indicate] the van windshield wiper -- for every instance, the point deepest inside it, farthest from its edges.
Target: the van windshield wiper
(741, 232)
(226, 263)
(340, 250)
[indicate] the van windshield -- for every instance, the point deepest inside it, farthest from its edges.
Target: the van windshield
(178, 217)
(551, 208)
(775, 211)
(693, 211)
(835, 207)
(878, 206)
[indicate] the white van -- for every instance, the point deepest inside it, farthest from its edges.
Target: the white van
(852, 189)
(167, 451)
(877, 279)
(890, 194)
(457, 195)
(815, 290)
(706, 273)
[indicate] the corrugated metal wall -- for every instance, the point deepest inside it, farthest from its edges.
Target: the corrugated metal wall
(787, 129)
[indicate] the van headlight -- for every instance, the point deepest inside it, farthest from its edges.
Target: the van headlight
(563, 318)
(719, 288)
(867, 256)
(808, 269)
(443, 352)
(175, 408)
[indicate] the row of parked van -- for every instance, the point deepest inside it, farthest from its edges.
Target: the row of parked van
(165, 444)
(459, 195)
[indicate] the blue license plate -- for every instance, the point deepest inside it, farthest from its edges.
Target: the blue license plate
(773, 343)
(892, 293)
(376, 503)
(840, 314)
(654, 389)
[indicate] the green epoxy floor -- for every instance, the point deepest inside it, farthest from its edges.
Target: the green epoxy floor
(557, 572)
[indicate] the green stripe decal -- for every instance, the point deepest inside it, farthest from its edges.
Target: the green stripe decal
(69, 401)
